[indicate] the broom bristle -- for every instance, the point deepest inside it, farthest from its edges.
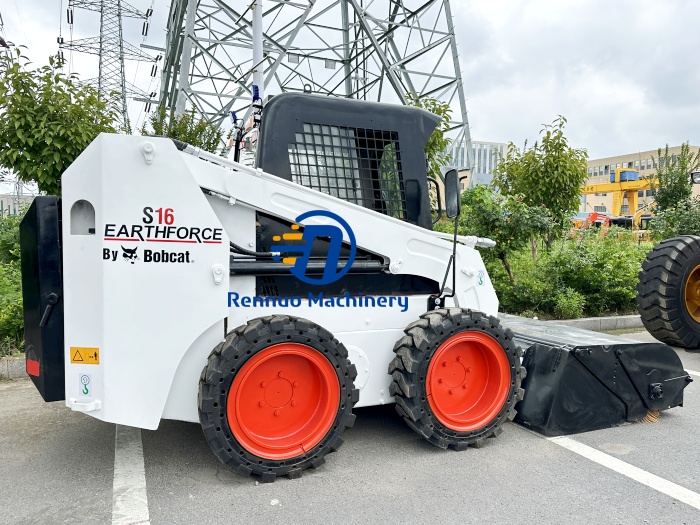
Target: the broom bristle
(652, 416)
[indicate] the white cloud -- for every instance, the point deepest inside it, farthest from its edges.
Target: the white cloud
(623, 72)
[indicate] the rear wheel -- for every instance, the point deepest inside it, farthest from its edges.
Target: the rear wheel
(668, 292)
(276, 396)
(456, 377)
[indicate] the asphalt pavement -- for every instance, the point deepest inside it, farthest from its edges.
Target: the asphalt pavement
(57, 466)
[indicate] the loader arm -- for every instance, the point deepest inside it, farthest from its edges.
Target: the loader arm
(407, 248)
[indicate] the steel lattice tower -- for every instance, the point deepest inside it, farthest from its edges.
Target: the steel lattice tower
(366, 49)
(110, 47)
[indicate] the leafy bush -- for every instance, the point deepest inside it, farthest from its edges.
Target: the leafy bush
(195, 131)
(588, 274)
(9, 238)
(11, 317)
(683, 219)
(603, 268)
(569, 304)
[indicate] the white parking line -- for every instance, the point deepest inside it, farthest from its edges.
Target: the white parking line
(642, 476)
(693, 372)
(129, 499)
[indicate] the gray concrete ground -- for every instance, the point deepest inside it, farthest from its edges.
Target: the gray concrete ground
(56, 466)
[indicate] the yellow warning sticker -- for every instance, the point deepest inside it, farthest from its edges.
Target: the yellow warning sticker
(84, 356)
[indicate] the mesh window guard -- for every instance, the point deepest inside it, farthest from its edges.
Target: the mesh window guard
(359, 165)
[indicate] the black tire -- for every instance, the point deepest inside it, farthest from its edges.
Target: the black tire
(229, 357)
(661, 291)
(410, 367)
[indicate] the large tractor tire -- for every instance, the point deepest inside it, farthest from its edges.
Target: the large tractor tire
(456, 377)
(276, 396)
(668, 292)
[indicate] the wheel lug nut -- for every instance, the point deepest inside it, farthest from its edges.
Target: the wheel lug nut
(444, 363)
(277, 412)
(449, 391)
(295, 384)
(459, 358)
(294, 403)
(469, 369)
(280, 374)
(263, 384)
(464, 387)
(440, 381)
(261, 404)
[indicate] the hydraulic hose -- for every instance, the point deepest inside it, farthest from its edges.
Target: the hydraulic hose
(242, 251)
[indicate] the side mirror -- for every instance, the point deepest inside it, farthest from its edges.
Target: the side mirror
(452, 194)
(695, 177)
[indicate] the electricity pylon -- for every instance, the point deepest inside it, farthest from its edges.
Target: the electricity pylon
(111, 48)
(367, 49)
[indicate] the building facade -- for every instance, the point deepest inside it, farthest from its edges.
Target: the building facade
(13, 204)
(486, 156)
(599, 173)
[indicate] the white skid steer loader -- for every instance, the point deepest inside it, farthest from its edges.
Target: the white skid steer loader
(266, 303)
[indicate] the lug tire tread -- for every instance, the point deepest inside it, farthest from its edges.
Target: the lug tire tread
(230, 356)
(409, 369)
(661, 291)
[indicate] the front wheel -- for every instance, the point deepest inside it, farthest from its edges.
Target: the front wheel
(276, 396)
(456, 377)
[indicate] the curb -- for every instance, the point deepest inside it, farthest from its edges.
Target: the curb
(12, 368)
(600, 324)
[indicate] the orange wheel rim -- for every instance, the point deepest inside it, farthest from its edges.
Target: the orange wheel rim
(468, 381)
(692, 294)
(283, 401)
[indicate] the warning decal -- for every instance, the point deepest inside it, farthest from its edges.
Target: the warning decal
(84, 356)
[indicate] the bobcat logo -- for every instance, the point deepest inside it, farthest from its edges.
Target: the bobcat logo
(130, 254)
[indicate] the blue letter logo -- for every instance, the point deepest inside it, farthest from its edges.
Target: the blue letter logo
(299, 255)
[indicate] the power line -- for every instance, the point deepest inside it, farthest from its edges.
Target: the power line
(21, 24)
(111, 48)
(144, 33)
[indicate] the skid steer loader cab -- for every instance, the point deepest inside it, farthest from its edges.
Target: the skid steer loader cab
(366, 153)
(265, 304)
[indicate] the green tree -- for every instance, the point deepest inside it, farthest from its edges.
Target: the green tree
(507, 219)
(671, 187)
(550, 173)
(47, 119)
(682, 219)
(436, 148)
(187, 128)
